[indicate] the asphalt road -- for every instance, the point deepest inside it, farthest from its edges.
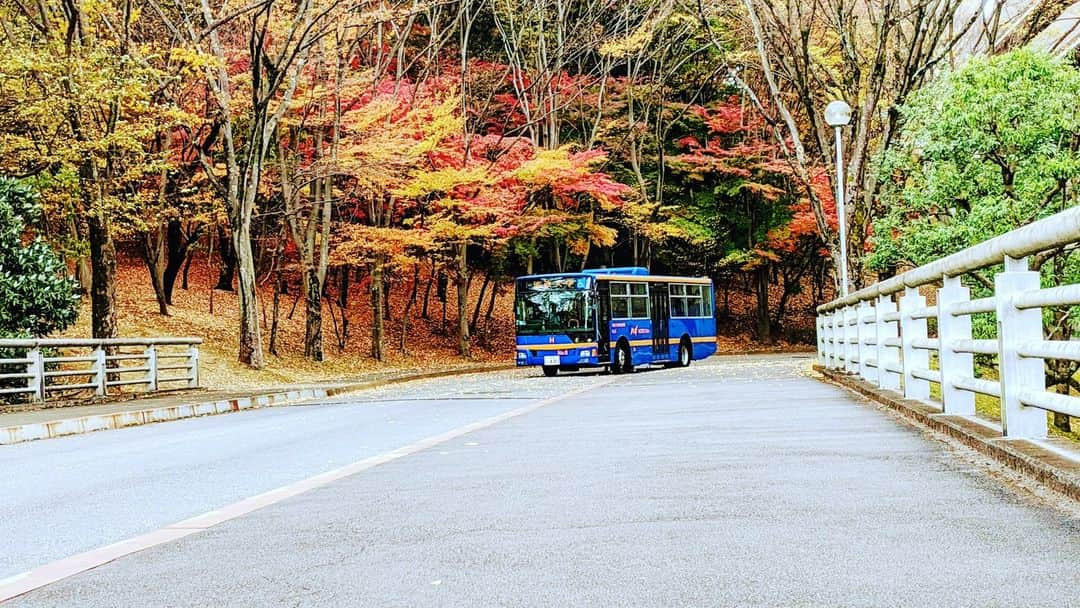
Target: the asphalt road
(736, 482)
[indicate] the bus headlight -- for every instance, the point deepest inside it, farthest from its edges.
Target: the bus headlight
(521, 354)
(585, 353)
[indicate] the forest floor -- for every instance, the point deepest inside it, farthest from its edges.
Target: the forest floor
(430, 343)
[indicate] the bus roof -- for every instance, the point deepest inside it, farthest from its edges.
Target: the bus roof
(605, 275)
(652, 278)
(634, 270)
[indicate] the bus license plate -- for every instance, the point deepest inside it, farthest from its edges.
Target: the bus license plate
(551, 359)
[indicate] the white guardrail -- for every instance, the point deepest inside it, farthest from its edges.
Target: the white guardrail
(57, 365)
(880, 332)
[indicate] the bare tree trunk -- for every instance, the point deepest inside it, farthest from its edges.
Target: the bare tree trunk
(153, 250)
(427, 292)
(462, 280)
(278, 283)
(585, 257)
(761, 288)
(1039, 17)
(187, 270)
(377, 311)
(444, 283)
(251, 348)
(414, 293)
(343, 304)
(227, 250)
(313, 334)
(103, 287)
(491, 302)
(387, 284)
(177, 249)
(479, 302)
(83, 274)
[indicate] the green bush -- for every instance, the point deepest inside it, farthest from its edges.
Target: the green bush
(984, 150)
(36, 295)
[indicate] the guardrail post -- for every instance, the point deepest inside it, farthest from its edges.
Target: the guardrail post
(36, 366)
(101, 379)
(886, 355)
(913, 329)
(840, 337)
(953, 364)
(834, 339)
(1015, 327)
(152, 371)
(866, 330)
(820, 339)
(193, 363)
(851, 339)
(826, 340)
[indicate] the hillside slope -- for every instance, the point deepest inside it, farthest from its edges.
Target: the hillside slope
(212, 315)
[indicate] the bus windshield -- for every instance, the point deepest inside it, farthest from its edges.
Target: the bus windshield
(555, 306)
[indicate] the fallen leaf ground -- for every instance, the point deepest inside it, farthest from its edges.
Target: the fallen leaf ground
(212, 315)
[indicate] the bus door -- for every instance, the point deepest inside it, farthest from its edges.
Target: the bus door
(661, 315)
(603, 321)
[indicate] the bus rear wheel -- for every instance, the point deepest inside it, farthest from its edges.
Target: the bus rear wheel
(686, 354)
(623, 363)
(550, 370)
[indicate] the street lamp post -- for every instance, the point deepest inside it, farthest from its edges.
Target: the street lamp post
(837, 115)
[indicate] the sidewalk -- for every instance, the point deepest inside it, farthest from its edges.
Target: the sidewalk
(1053, 462)
(50, 422)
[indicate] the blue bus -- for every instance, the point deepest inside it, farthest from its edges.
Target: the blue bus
(617, 318)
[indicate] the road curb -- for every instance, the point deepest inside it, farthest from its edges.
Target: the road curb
(1048, 467)
(359, 386)
(102, 422)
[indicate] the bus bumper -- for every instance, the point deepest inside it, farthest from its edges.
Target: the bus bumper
(571, 357)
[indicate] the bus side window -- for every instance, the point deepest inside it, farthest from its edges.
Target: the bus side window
(678, 306)
(620, 303)
(639, 301)
(678, 300)
(693, 301)
(629, 301)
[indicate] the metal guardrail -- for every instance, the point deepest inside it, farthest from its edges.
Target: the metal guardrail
(880, 332)
(56, 365)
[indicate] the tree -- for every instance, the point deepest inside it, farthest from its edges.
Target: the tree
(1024, 26)
(280, 36)
(36, 295)
(379, 249)
(84, 114)
(743, 210)
(353, 130)
(984, 150)
(805, 55)
(500, 188)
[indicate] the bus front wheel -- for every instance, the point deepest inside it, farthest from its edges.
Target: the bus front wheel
(550, 370)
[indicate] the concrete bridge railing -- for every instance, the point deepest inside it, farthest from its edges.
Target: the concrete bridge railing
(38, 368)
(881, 332)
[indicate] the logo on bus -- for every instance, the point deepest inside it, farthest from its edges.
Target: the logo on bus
(551, 339)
